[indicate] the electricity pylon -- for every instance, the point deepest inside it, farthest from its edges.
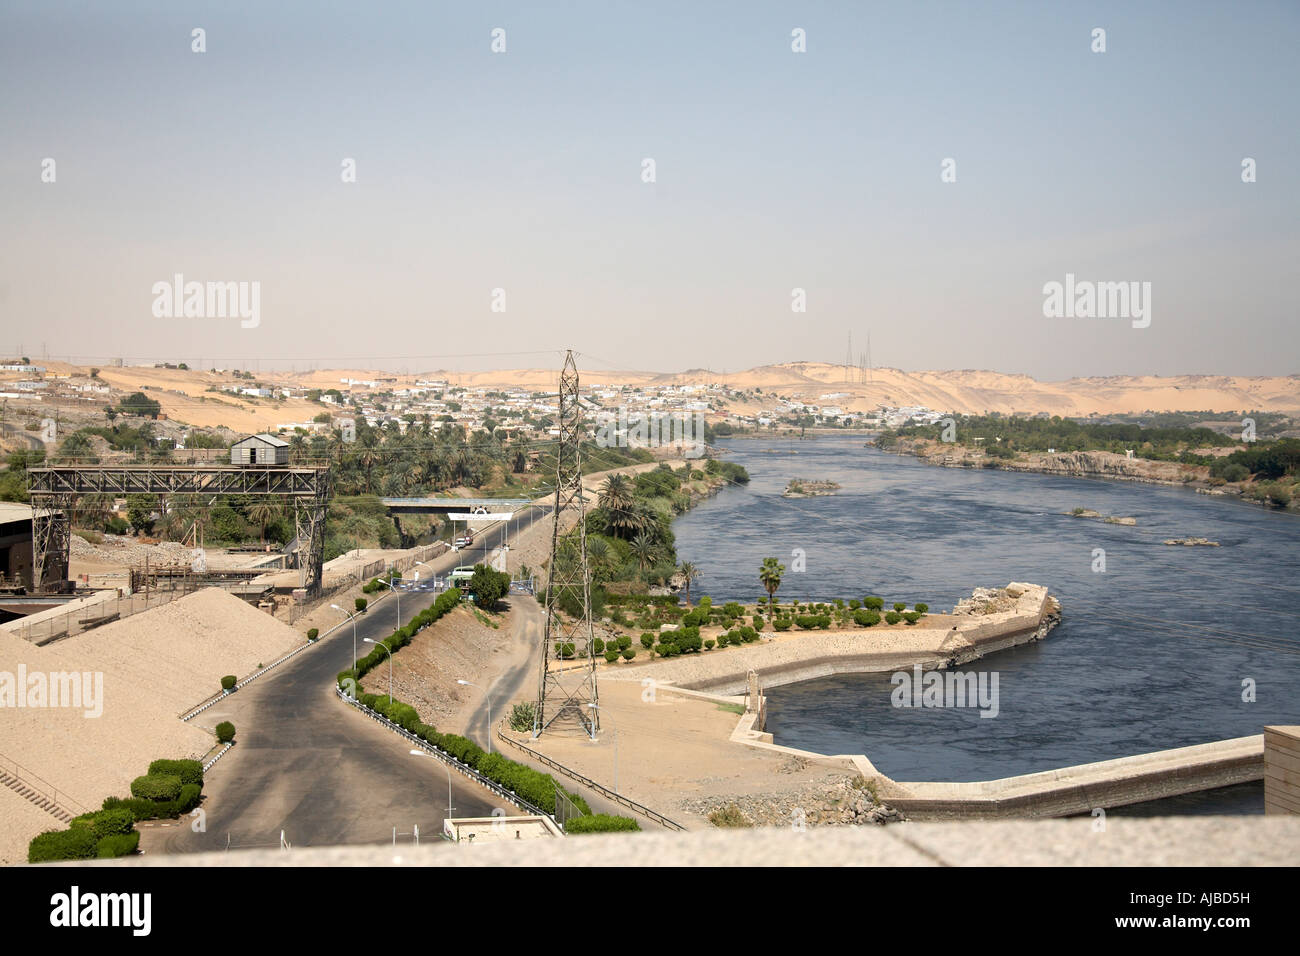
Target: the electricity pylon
(566, 690)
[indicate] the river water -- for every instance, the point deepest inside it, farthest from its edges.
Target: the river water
(1151, 653)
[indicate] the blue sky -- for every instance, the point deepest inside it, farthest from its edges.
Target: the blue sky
(775, 170)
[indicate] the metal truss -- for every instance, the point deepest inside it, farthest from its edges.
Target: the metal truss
(566, 689)
(56, 489)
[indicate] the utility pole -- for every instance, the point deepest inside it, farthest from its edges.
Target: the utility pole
(567, 694)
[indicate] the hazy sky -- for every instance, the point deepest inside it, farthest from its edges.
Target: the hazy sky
(774, 170)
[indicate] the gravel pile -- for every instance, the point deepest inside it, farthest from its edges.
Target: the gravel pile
(118, 549)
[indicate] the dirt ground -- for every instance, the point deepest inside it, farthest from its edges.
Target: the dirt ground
(674, 756)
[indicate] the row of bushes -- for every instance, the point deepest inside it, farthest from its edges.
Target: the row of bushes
(531, 785)
(170, 788)
(402, 636)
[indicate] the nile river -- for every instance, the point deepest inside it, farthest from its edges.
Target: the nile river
(1151, 653)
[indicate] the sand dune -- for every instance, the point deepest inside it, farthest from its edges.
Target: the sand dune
(184, 395)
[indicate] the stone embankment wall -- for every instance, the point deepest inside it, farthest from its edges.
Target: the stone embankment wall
(813, 654)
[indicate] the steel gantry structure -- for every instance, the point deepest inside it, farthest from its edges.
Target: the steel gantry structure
(567, 684)
(56, 489)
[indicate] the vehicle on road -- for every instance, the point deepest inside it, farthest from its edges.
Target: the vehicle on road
(463, 573)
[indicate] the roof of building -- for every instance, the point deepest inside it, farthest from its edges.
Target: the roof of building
(268, 439)
(14, 511)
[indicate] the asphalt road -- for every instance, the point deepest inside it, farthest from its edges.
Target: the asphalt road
(308, 764)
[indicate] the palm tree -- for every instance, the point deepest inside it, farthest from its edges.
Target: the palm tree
(689, 572)
(769, 575)
(262, 513)
(643, 550)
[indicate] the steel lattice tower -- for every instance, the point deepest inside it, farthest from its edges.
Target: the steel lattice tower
(567, 683)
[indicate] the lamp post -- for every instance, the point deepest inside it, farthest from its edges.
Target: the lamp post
(596, 707)
(489, 707)
(352, 617)
(366, 640)
(397, 591)
(421, 753)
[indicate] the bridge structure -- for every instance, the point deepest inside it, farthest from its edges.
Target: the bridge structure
(56, 490)
(428, 506)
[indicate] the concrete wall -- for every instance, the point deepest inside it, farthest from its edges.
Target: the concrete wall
(1282, 769)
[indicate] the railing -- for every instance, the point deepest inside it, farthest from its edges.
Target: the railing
(645, 811)
(52, 793)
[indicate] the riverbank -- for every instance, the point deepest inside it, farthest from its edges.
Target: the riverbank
(1088, 464)
(1030, 615)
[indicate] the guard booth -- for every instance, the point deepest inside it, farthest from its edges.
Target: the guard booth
(260, 450)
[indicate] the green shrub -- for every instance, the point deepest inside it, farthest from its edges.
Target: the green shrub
(854, 604)
(598, 646)
(601, 823)
(900, 607)
(229, 681)
(628, 653)
(521, 718)
(106, 822)
(118, 844)
(873, 603)
(782, 624)
(611, 656)
(921, 608)
(225, 732)
(710, 644)
(647, 640)
(911, 617)
(156, 786)
(360, 604)
(865, 618)
(893, 617)
(75, 843)
(624, 642)
(313, 633)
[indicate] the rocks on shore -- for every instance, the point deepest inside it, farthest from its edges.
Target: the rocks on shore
(1193, 542)
(804, 488)
(849, 803)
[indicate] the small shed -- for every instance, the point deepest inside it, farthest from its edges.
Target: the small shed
(260, 450)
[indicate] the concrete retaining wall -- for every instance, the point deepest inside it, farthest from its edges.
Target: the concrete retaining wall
(1282, 769)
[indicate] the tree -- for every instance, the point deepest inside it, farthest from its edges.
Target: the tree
(262, 513)
(769, 575)
(139, 509)
(488, 586)
(138, 403)
(643, 551)
(689, 573)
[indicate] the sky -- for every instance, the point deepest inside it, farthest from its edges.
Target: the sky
(774, 170)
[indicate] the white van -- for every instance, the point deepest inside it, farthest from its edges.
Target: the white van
(461, 574)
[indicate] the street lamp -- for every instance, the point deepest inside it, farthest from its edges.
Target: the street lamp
(596, 707)
(389, 582)
(366, 640)
(489, 707)
(353, 618)
(447, 767)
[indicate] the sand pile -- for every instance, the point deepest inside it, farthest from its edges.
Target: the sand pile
(178, 653)
(143, 672)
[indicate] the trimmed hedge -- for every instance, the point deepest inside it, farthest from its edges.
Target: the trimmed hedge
(190, 771)
(601, 823)
(225, 732)
(229, 681)
(156, 786)
(157, 809)
(313, 633)
(75, 843)
(118, 844)
(105, 823)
